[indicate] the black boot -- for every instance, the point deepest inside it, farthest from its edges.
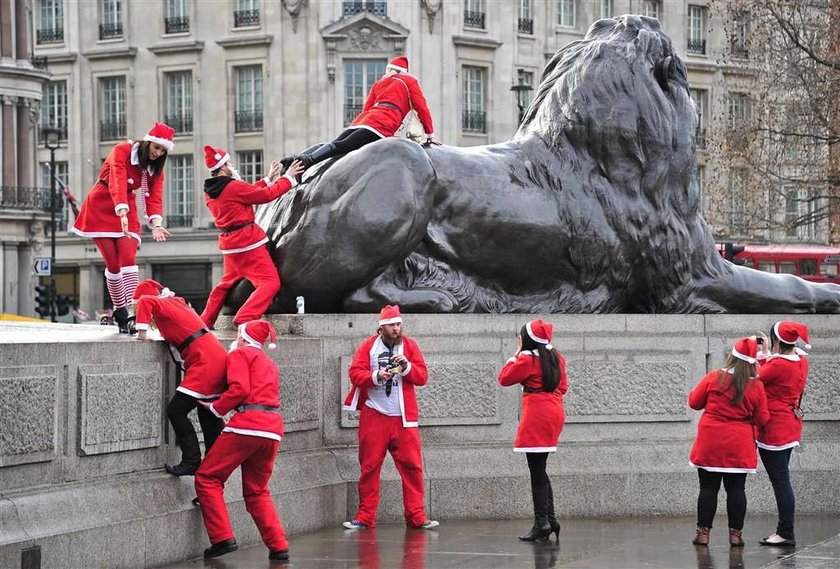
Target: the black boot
(221, 548)
(309, 159)
(552, 519)
(190, 457)
(286, 161)
(541, 529)
(120, 316)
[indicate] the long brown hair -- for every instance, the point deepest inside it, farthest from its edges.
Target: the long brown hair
(156, 166)
(742, 373)
(549, 362)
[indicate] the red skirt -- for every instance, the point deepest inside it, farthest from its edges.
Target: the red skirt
(543, 417)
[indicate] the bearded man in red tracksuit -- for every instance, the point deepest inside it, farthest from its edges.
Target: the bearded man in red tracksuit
(204, 368)
(385, 370)
(251, 440)
(242, 242)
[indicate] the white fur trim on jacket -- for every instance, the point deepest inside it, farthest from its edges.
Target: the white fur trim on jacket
(259, 243)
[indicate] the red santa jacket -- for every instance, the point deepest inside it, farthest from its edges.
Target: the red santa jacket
(232, 204)
(364, 368)
(784, 377)
(528, 371)
(117, 186)
(253, 379)
(204, 357)
(725, 438)
(400, 90)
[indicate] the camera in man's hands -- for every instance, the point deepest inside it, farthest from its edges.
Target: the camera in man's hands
(394, 366)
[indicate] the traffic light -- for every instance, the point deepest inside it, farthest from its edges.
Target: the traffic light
(62, 304)
(731, 250)
(42, 300)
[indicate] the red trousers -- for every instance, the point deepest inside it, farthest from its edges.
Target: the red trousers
(255, 266)
(256, 456)
(379, 433)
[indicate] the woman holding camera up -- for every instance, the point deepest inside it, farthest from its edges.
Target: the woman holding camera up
(783, 374)
(541, 371)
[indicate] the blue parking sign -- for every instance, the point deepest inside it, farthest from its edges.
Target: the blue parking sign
(43, 266)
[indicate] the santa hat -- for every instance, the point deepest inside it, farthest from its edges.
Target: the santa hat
(398, 64)
(151, 287)
(789, 332)
(215, 158)
(540, 332)
(257, 332)
(746, 349)
(390, 315)
(161, 134)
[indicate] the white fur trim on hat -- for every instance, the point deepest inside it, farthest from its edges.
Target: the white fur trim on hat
(247, 337)
(741, 356)
(534, 336)
(168, 144)
(166, 293)
(396, 68)
(393, 320)
(221, 161)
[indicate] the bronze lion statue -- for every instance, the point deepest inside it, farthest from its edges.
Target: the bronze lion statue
(593, 206)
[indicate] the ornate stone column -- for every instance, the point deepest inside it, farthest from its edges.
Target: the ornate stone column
(21, 30)
(26, 144)
(9, 138)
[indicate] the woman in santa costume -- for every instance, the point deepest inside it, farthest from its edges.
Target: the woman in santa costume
(109, 212)
(250, 439)
(390, 99)
(783, 374)
(204, 368)
(541, 371)
(242, 242)
(724, 449)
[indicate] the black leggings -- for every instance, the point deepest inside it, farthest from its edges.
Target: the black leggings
(353, 139)
(179, 407)
(536, 465)
(736, 498)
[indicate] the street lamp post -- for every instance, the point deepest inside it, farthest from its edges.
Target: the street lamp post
(520, 89)
(51, 138)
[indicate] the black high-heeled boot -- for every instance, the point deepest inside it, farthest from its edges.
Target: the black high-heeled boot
(552, 518)
(120, 316)
(309, 159)
(541, 528)
(286, 161)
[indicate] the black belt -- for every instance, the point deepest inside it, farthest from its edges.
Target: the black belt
(387, 105)
(249, 407)
(528, 389)
(192, 338)
(232, 228)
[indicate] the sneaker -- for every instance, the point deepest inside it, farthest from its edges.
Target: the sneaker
(778, 541)
(428, 524)
(220, 548)
(354, 524)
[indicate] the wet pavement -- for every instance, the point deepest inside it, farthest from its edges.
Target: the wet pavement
(649, 543)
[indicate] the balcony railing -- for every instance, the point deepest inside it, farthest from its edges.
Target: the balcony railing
(177, 25)
(474, 19)
(244, 18)
(111, 130)
(739, 50)
(13, 197)
(51, 35)
(183, 123)
(526, 26)
(179, 221)
(352, 7)
(110, 31)
(696, 46)
(350, 112)
(62, 125)
(473, 121)
(248, 121)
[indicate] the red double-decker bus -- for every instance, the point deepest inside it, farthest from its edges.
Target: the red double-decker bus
(811, 262)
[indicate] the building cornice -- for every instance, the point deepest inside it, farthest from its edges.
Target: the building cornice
(129, 52)
(245, 41)
(179, 47)
(63, 57)
(470, 41)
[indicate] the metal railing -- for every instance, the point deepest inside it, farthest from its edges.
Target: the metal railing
(243, 18)
(111, 130)
(183, 123)
(61, 125)
(474, 121)
(375, 7)
(179, 221)
(474, 19)
(696, 46)
(526, 26)
(175, 25)
(351, 112)
(14, 197)
(109, 31)
(248, 121)
(51, 35)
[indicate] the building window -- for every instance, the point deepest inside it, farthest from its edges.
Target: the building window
(375, 7)
(738, 199)
(606, 8)
(700, 98)
(247, 13)
(248, 116)
(51, 22)
(63, 210)
(526, 18)
(112, 107)
(696, 29)
(739, 34)
(359, 77)
(474, 117)
(800, 214)
(54, 107)
(179, 192)
(177, 16)
(110, 25)
(250, 165)
(739, 109)
(566, 13)
(474, 12)
(179, 114)
(191, 281)
(650, 8)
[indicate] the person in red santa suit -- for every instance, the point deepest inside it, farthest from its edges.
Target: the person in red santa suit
(242, 242)
(109, 213)
(204, 368)
(250, 439)
(784, 374)
(390, 99)
(541, 371)
(734, 403)
(384, 373)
